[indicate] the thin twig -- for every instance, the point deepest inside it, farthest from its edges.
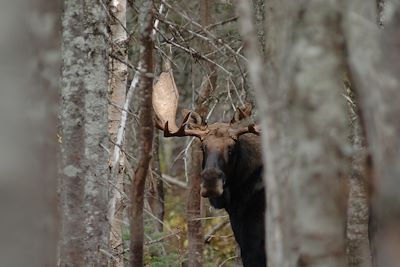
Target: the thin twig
(108, 254)
(112, 16)
(174, 181)
(215, 229)
(163, 238)
(158, 220)
(211, 35)
(194, 53)
(209, 218)
(228, 259)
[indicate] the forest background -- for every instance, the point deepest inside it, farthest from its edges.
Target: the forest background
(323, 77)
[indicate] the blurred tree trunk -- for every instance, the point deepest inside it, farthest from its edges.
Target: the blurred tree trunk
(259, 15)
(304, 125)
(318, 132)
(265, 79)
(29, 77)
(84, 162)
(117, 92)
(380, 14)
(146, 132)
(377, 80)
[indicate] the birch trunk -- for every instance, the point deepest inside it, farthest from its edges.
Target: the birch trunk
(117, 92)
(29, 78)
(84, 162)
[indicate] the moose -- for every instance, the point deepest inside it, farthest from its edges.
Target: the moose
(231, 169)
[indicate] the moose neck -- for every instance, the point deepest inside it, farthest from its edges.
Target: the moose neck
(248, 160)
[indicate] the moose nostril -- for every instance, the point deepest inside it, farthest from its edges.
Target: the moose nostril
(211, 174)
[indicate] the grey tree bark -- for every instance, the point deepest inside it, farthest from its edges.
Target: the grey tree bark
(29, 78)
(380, 4)
(83, 113)
(304, 130)
(265, 79)
(117, 92)
(374, 61)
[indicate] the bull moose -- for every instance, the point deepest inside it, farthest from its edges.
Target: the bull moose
(231, 169)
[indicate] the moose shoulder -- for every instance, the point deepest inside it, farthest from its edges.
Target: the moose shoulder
(232, 167)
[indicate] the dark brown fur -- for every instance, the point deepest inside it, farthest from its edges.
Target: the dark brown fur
(237, 165)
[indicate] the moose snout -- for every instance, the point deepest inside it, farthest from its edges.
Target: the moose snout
(212, 183)
(211, 174)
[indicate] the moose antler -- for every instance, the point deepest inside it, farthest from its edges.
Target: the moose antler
(252, 128)
(165, 105)
(243, 115)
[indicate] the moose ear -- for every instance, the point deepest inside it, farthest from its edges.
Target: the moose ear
(242, 113)
(194, 121)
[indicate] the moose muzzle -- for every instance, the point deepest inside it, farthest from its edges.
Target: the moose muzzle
(212, 183)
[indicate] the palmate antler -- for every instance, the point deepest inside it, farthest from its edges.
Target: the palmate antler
(165, 105)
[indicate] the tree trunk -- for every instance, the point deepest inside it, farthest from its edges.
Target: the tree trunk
(304, 125)
(318, 131)
(146, 133)
(30, 64)
(358, 252)
(377, 80)
(84, 163)
(268, 90)
(155, 187)
(195, 231)
(117, 92)
(380, 14)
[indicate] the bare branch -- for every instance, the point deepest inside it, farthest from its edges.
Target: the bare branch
(174, 181)
(215, 229)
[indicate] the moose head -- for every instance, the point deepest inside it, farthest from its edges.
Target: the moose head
(218, 140)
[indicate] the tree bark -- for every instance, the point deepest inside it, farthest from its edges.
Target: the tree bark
(155, 187)
(377, 80)
(84, 162)
(319, 136)
(195, 231)
(146, 133)
(304, 125)
(380, 4)
(265, 80)
(29, 78)
(117, 92)
(358, 248)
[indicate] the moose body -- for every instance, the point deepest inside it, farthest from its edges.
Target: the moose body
(237, 166)
(232, 166)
